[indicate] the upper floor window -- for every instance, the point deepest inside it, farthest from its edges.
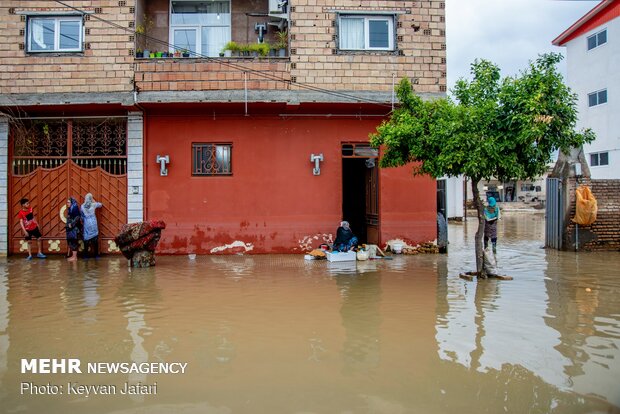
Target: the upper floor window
(366, 32)
(599, 158)
(200, 27)
(211, 159)
(55, 34)
(597, 98)
(597, 39)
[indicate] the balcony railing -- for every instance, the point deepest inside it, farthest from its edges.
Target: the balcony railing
(188, 74)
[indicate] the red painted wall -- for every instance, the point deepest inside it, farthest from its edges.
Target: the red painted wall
(272, 201)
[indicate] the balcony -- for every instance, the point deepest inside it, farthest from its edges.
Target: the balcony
(196, 74)
(217, 38)
(203, 29)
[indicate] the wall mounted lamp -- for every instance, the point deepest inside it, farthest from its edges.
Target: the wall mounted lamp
(163, 160)
(316, 159)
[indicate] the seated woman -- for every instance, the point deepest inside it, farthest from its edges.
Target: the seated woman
(345, 239)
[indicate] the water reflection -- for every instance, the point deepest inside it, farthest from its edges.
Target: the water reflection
(542, 324)
(279, 334)
(361, 319)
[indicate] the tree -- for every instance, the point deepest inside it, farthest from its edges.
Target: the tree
(507, 129)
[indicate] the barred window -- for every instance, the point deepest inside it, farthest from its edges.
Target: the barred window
(211, 159)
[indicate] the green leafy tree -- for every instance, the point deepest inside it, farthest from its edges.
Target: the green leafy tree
(503, 128)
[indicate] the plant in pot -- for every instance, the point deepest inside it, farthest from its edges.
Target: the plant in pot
(244, 50)
(281, 42)
(185, 53)
(231, 49)
(177, 53)
(260, 49)
(143, 33)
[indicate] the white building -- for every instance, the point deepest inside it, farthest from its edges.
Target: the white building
(593, 73)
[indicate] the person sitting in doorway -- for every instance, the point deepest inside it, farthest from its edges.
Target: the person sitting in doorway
(345, 239)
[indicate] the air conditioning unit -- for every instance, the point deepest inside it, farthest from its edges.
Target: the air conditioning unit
(278, 8)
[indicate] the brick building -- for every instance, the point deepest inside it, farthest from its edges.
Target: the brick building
(251, 153)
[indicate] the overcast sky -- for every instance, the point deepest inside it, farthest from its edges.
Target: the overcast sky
(507, 32)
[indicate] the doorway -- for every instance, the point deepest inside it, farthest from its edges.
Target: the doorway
(360, 194)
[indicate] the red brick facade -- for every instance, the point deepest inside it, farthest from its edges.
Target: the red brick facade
(604, 233)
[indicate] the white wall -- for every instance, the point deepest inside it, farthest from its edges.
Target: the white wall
(589, 71)
(454, 197)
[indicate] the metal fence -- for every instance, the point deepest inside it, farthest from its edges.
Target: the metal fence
(554, 214)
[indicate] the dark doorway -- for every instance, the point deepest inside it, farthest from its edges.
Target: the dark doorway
(360, 201)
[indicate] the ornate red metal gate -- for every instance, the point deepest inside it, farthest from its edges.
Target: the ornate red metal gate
(52, 160)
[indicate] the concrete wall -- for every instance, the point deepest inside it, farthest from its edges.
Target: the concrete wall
(135, 167)
(4, 172)
(272, 202)
(589, 71)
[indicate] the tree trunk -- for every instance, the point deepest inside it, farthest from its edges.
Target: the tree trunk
(480, 232)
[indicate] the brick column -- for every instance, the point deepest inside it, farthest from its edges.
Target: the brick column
(4, 179)
(135, 167)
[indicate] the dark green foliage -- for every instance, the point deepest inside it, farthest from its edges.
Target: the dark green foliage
(503, 128)
(507, 129)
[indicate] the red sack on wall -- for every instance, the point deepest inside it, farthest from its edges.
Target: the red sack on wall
(585, 213)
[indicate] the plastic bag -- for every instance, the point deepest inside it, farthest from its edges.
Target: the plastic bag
(586, 209)
(490, 264)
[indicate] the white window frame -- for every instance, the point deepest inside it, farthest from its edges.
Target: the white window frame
(596, 93)
(595, 36)
(598, 159)
(390, 18)
(171, 29)
(57, 21)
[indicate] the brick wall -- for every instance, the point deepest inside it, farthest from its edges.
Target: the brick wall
(202, 75)
(604, 233)
(106, 64)
(316, 60)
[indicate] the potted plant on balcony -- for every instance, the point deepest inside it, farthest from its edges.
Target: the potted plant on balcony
(282, 42)
(260, 49)
(231, 49)
(244, 50)
(185, 53)
(143, 32)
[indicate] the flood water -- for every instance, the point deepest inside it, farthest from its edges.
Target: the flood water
(277, 334)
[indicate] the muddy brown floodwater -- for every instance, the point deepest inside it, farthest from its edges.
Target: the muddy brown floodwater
(277, 334)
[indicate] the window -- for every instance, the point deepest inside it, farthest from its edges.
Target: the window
(597, 39)
(203, 28)
(599, 158)
(55, 34)
(211, 159)
(359, 32)
(597, 98)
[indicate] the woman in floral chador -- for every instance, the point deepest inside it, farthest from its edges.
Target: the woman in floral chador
(91, 229)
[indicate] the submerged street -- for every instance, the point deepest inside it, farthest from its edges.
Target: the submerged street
(278, 334)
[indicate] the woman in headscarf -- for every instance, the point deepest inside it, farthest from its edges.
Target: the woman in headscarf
(91, 229)
(491, 215)
(72, 227)
(345, 239)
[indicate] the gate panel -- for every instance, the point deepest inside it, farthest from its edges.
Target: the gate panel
(52, 160)
(554, 214)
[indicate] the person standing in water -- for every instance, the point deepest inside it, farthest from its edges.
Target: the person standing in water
(491, 215)
(91, 228)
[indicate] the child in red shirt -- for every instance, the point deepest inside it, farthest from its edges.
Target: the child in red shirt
(30, 227)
